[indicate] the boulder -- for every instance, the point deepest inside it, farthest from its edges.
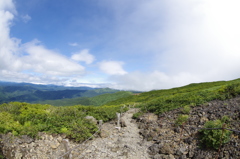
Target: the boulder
(92, 119)
(122, 123)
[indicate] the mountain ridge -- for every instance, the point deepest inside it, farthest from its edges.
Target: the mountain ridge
(33, 93)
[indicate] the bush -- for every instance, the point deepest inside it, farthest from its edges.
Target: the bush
(137, 115)
(215, 138)
(181, 119)
(186, 109)
(29, 119)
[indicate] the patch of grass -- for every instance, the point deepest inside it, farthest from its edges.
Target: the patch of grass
(182, 119)
(137, 115)
(186, 109)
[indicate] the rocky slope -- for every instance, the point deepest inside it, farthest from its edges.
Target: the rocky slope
(171, 141)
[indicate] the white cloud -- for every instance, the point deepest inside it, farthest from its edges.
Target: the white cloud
(26, 18)
(31, 62)
(8, 45)
(84, 56)
(7, 5)
(45, 61)
(73, 44)
(150, 81)
(112, 67)
(191, 40)
(204, 40)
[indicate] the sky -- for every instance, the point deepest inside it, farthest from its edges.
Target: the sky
(123, 44)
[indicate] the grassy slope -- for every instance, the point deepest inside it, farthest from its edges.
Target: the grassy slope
(23, 118)
(159, 101)
(95, 101)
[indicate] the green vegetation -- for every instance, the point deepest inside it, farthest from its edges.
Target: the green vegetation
(186, 109)
(96, 100)
(215, 138)
(29, 119)
(160, 101)
(31, 93)
(137, 115)
(182, 119)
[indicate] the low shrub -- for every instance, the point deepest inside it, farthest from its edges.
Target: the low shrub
(214, 138)
(137, 115)
(186, 109)
(29, 119)
(182, 119)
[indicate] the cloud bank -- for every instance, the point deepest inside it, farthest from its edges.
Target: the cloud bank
(191, 41)
(32, 61)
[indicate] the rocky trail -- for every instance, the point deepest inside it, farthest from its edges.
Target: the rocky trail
(124, 143)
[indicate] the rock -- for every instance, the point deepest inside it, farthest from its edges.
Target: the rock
(153, 135)
(154, 149)
(59, 139)
(181, 151)
(122, 123)
(26, 139)
(115, 149)
(171, 156)
(191, 153)
(157, 156)
(176, 129)
(104, 134)
(92, 119)
(203, 119)
(54, 144)
(152, 117)
(165, 149)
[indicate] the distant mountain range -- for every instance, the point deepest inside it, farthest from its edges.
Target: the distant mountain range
(34, 93)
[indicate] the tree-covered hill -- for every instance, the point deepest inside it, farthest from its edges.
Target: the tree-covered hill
(94, 101)
(32, 93)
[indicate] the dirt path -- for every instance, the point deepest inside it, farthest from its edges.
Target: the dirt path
(125, 143)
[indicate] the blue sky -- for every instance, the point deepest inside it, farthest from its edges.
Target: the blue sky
(137, 44)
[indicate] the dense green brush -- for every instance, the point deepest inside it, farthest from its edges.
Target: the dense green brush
(29, 119)
(215, 138)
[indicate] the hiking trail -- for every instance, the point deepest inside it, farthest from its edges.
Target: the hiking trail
(125, 143)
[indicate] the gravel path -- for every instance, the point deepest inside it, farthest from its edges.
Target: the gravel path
(125, 143)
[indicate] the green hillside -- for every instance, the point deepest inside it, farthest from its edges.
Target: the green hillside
(32, 93)
(94, 101)
(23, 118)
(159, 101)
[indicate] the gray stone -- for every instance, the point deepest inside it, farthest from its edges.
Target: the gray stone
(122, 123)
(154, 149)
(92, 119)
(165, 149)
(54, 144)
(104, 134)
